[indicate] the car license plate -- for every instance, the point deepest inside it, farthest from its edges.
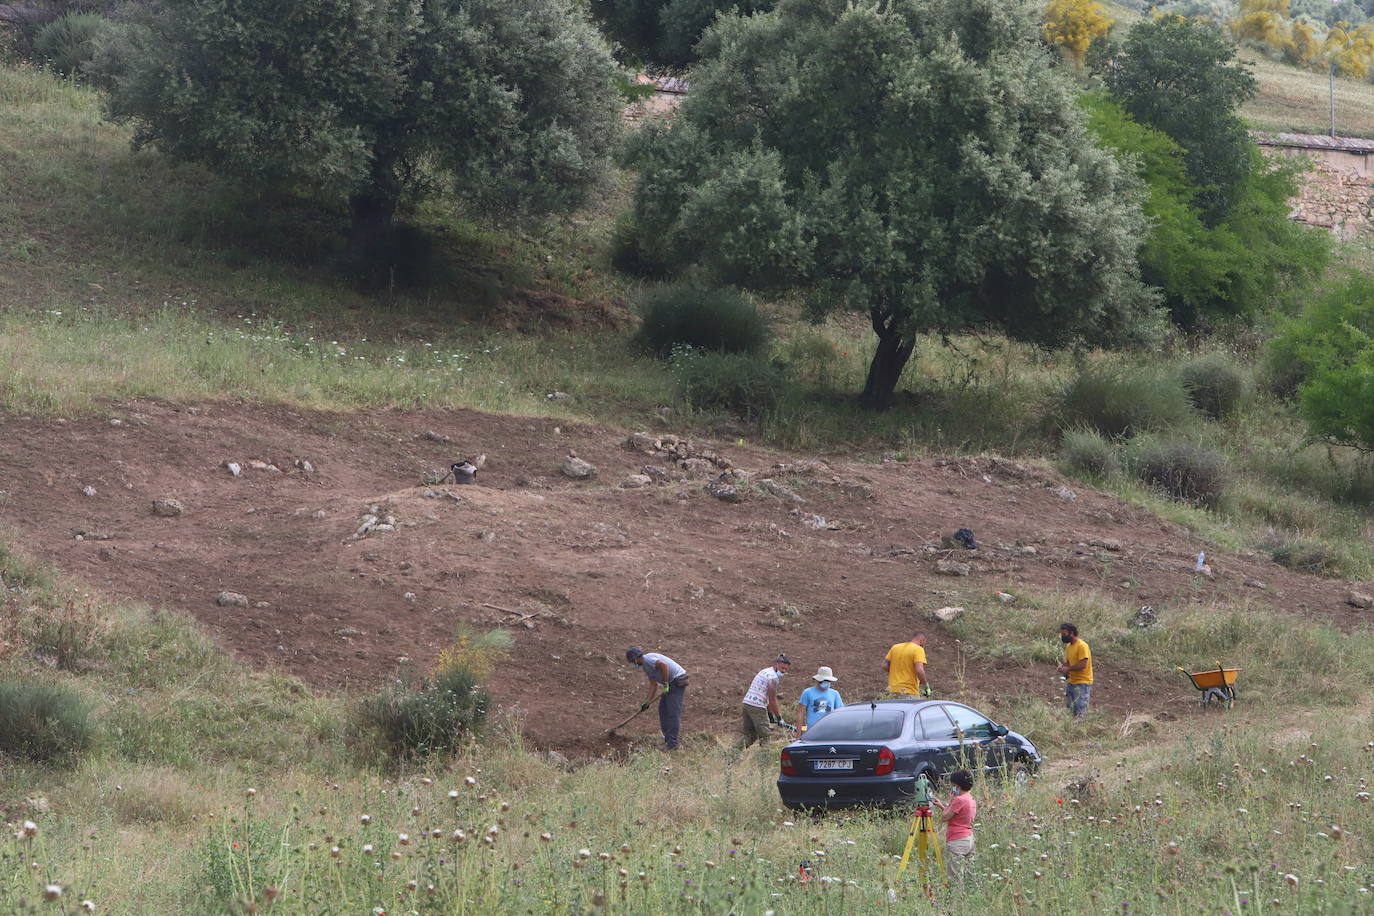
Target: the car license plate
(833, 764)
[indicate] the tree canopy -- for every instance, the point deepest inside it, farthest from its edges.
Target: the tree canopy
(922, 161)
(508, 103)
(1180, 76)
(666, 31)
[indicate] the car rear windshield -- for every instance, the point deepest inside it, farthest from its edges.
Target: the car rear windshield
(859, 725)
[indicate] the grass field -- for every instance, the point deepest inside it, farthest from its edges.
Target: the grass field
(208, 789)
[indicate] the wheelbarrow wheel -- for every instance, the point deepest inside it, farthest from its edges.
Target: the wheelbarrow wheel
(1217, 695)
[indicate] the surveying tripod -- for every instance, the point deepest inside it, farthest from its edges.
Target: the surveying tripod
(922, 836)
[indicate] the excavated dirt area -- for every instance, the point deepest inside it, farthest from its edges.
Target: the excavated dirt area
(721, 586)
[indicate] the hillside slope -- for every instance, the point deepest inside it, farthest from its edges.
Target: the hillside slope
(667, 566)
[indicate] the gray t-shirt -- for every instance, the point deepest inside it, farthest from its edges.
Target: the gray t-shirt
(649, 662)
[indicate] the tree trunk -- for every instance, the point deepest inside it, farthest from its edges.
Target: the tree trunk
(372, 210)
(894, 350)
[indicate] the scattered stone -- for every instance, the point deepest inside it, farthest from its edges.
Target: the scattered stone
(1028, 551)
(257, 465)
(643, 442)
(558, 396)
(106, 553)
(39, 804)
(1255, 583)
(262, 605)
(654, 472)
(1065, 494)
(1205, 571)
(319, 513)
(1111, 544)
(1145, 618)
(486, 536)
(1005, 597)
(786, 494)
(166, 507)
(231, 599)
(384, 527)
(434, 477)
(304, 465)
(724, 492)
(88, 491)
(946, 614)
(116, 422)
(897, 550)
(429, 494)
(577, 468)
(233, 468)
(696, 465)
(559, 760)
(947, 567)
(369, 522)
(347, 632)
(818, 522)
(409, 596)
(1359, 600)
(432, 436)
(636, 481)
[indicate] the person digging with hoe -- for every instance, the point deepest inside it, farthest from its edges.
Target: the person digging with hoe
(1078, 669)
(668, 683)
(760, 711)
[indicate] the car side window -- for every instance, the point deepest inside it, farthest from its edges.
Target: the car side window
(936, 726)
(969, 722)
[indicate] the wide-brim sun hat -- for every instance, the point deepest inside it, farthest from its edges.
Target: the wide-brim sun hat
(823, 674)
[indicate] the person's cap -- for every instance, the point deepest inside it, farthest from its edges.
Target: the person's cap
(633, 653)
(782, 659)
(823, 674)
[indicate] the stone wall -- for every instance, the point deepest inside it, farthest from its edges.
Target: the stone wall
(1337, 193)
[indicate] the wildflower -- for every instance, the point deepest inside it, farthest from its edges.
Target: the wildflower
(52, 892)
(604, 856)
(29, 830)
(414, 812)
(624, 847)
(367, 848)
(87, 906)
(584, 853)
(546, 836)
(426, 781)
(250, 792)
(365, 819)
(453, 795)
(1291, 880)
(334, 852)
(403, 839)
(412, 885)
(469, 780)
(1336, 832)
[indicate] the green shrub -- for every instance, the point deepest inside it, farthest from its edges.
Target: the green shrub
(1084, 451)
(69, 43)
(1334, 328)
(728, 381)
(429, 718)
(1214, 383)
(1122, 403)
(1183, 469)
(708, 318)
(45, 723)
(1306, 556)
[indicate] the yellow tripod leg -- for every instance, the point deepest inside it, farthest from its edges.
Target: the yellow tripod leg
(910, 840)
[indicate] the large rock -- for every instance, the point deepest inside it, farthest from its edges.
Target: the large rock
(1111, 544)
(1359, 600)
(946, 614)
(786, 494)
(635, 481)
(166, 507)
(577, 468)
(724, 492)
(947, 567)
(231, 599)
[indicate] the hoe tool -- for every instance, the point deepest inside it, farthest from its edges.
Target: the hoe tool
(615, 728)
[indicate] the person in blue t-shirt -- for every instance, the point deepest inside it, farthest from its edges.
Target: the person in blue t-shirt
(816, 701)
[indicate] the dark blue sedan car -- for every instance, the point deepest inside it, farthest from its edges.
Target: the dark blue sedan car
(871, 753)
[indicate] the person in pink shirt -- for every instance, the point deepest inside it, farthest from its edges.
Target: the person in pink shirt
(959, 814)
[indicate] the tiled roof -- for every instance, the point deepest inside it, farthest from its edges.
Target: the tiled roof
(1316, 141)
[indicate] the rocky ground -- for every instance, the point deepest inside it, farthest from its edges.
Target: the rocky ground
(332, 545)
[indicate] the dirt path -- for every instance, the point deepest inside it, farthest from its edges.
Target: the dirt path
(667, 566)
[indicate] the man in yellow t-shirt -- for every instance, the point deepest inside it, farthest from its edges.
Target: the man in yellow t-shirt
(905, 665)
(1078, 668)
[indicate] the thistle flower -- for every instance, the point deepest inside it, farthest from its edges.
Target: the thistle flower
(367, 848)
(52, 892)
(458, 836)
(453, 795)
(250, 792)
(365, 819)
(546, 836)
(87, 906)
(469, 780)
(29, 830)
(403, 839)
(426, 781)
(1291, 880)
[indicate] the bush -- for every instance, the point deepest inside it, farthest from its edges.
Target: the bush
(69, 43)
(728, 381)
(1306, 556)
(1184, 470)
(1214, 384)
(708, 318)
(1333, 329)
(45, 723)
(1086, 452)
(1122, 403)
(431, 718)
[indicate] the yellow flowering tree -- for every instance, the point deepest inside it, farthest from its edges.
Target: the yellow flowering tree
(1073, 25)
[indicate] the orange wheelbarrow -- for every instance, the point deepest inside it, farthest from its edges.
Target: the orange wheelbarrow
(1218, 685)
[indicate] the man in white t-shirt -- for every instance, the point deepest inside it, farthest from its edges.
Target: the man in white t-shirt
(760, 707)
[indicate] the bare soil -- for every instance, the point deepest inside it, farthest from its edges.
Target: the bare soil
(668, 567)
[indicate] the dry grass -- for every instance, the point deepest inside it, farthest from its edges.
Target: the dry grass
(1290, 99)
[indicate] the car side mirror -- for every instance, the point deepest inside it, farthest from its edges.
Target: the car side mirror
(1000, 730)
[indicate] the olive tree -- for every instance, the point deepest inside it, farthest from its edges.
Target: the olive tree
(921, 161)
(509, 103)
